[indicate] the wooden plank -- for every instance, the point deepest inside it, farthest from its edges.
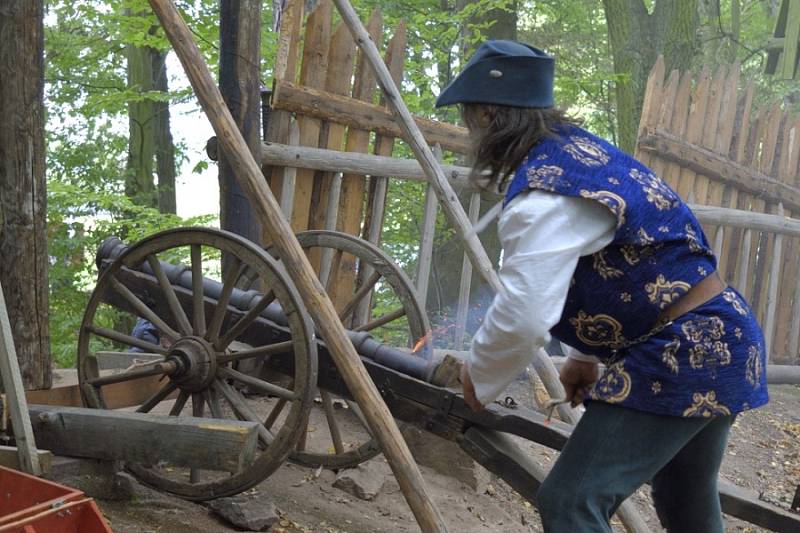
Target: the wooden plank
(211, 444)
(694, 131)
(289, 175)
(313, 71)
(703, 184)
(651, 105)
(277, 128)
(677, 127)
(340, 70)
(462, 307)
(384, 146)
(767, 165)
(788, 173)
(351, 201)
(697, 159)
(323, 105)
(772, 289)
(774, 52)
(15, 395)
(427, 234)
(742, 131)
(670, 92)
(724, 144)
(351, 368)
(9, 457)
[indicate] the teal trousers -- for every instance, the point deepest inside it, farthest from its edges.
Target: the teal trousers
(614, 450)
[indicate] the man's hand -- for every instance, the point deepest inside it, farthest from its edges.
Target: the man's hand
(469, 390)
(577, 377)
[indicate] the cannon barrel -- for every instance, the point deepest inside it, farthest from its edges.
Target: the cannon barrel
(419, 365)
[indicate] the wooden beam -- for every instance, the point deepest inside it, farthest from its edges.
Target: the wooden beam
(352, 162)
(716, 166)
(9, 457)
(211, 444)
(738, 218)
(15, 395)
(381, 424)
(325, 105)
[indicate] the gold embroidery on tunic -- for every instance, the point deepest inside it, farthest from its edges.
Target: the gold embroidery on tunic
(658, 192)
(630, 253)
(545, 177)
(668, 355)
(754, 366)
(708, 349)
(706, 405)
(693, 240)
(612, 201)
(601, 266)
(614, 386)
(656, 387)
(644, 238)
(587, 151)
(663, 293)
(730, 297)
(597, 330)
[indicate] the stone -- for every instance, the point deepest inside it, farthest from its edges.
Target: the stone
(446, 458)
(364, 481)
(93, 477)
(250, 514)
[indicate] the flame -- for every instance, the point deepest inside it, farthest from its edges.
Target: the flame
(422, 341)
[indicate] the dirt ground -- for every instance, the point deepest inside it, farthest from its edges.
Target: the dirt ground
(764, 456)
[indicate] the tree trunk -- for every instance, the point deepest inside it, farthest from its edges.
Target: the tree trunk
(165, 147)
(142, 127)
(637, 37)
(239, 83)
(23, 237)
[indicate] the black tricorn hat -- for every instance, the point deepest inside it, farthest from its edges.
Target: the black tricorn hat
(503, 73)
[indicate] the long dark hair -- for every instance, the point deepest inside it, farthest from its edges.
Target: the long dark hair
(502, 136)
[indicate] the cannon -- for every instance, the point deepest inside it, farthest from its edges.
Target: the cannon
(236, 343)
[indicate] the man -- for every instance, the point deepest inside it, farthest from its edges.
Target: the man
(602, 255)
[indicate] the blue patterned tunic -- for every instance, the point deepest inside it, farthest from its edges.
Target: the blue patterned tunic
(710, 361)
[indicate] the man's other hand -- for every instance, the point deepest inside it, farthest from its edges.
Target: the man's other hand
(469, 390)
(577, 377)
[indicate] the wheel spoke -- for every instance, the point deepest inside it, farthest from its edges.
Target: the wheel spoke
(172, 299)
(198, 300)
(126, 339)
(156, 398)
(279, 347)
(382, 320)
(197, 410)
(258, 384)
(243, 410)
(363, 291)
(244, 322)
(333, 426)
(144, 311)
(210, 396)
(164, 367)
(220, 311)
(275, 413)
(180, 402)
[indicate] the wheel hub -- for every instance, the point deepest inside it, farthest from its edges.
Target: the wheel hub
(197, 363)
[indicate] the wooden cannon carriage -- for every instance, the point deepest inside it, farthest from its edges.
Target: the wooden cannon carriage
(237, 343)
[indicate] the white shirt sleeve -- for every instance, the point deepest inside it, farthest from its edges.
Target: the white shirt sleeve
(543, 236)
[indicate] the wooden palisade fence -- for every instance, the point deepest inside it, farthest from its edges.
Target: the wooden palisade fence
(709, 141)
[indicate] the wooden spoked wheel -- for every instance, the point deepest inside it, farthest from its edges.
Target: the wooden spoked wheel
(202, 364)
(384, 303)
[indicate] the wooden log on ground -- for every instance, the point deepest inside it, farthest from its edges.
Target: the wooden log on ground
(319, 306)
(211, 444)
(355, 113)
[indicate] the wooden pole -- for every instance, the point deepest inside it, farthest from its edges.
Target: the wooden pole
(319, 306)
(15, 395)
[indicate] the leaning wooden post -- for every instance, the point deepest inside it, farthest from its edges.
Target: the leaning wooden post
(318, 304)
